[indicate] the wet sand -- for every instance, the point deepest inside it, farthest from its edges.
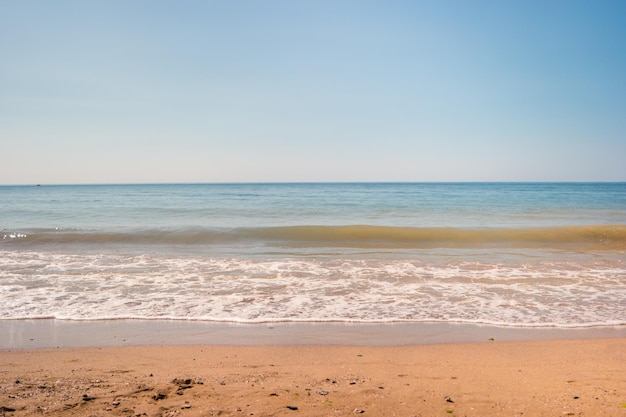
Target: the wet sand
(49, 333)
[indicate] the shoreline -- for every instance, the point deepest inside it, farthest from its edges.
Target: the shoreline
(53, 333)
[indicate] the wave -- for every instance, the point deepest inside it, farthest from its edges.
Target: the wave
(607, 237)
(598, 237)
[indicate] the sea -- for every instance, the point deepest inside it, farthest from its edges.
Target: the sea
(504, 254)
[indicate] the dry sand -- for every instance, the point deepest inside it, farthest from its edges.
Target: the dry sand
(492, 378)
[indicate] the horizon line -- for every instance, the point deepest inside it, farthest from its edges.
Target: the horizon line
(303, 182)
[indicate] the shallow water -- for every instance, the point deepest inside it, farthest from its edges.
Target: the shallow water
(504, 254)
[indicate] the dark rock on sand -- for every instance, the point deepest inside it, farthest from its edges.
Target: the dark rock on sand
(187, 381)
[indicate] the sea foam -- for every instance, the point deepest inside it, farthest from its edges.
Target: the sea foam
(91, 287)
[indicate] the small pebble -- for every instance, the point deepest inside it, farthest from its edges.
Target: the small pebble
(321, 392)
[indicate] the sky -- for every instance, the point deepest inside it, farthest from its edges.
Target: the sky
(150, 91)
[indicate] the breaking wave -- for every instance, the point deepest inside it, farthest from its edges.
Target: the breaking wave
(596, 237)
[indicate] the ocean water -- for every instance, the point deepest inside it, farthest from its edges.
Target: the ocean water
(508, 254)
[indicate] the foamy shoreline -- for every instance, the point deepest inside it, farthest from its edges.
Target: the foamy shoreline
(51, 333)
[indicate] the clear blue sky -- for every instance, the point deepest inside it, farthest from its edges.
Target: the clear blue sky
(210, 91)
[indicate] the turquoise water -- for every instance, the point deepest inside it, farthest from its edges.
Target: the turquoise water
(110, 207)
(507, 254)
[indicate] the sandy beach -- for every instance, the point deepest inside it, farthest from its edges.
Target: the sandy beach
(490, 378)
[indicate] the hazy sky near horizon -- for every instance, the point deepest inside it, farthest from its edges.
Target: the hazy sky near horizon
(110, 91)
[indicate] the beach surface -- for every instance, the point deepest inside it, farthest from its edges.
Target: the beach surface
(577, 377)
(51, 333)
